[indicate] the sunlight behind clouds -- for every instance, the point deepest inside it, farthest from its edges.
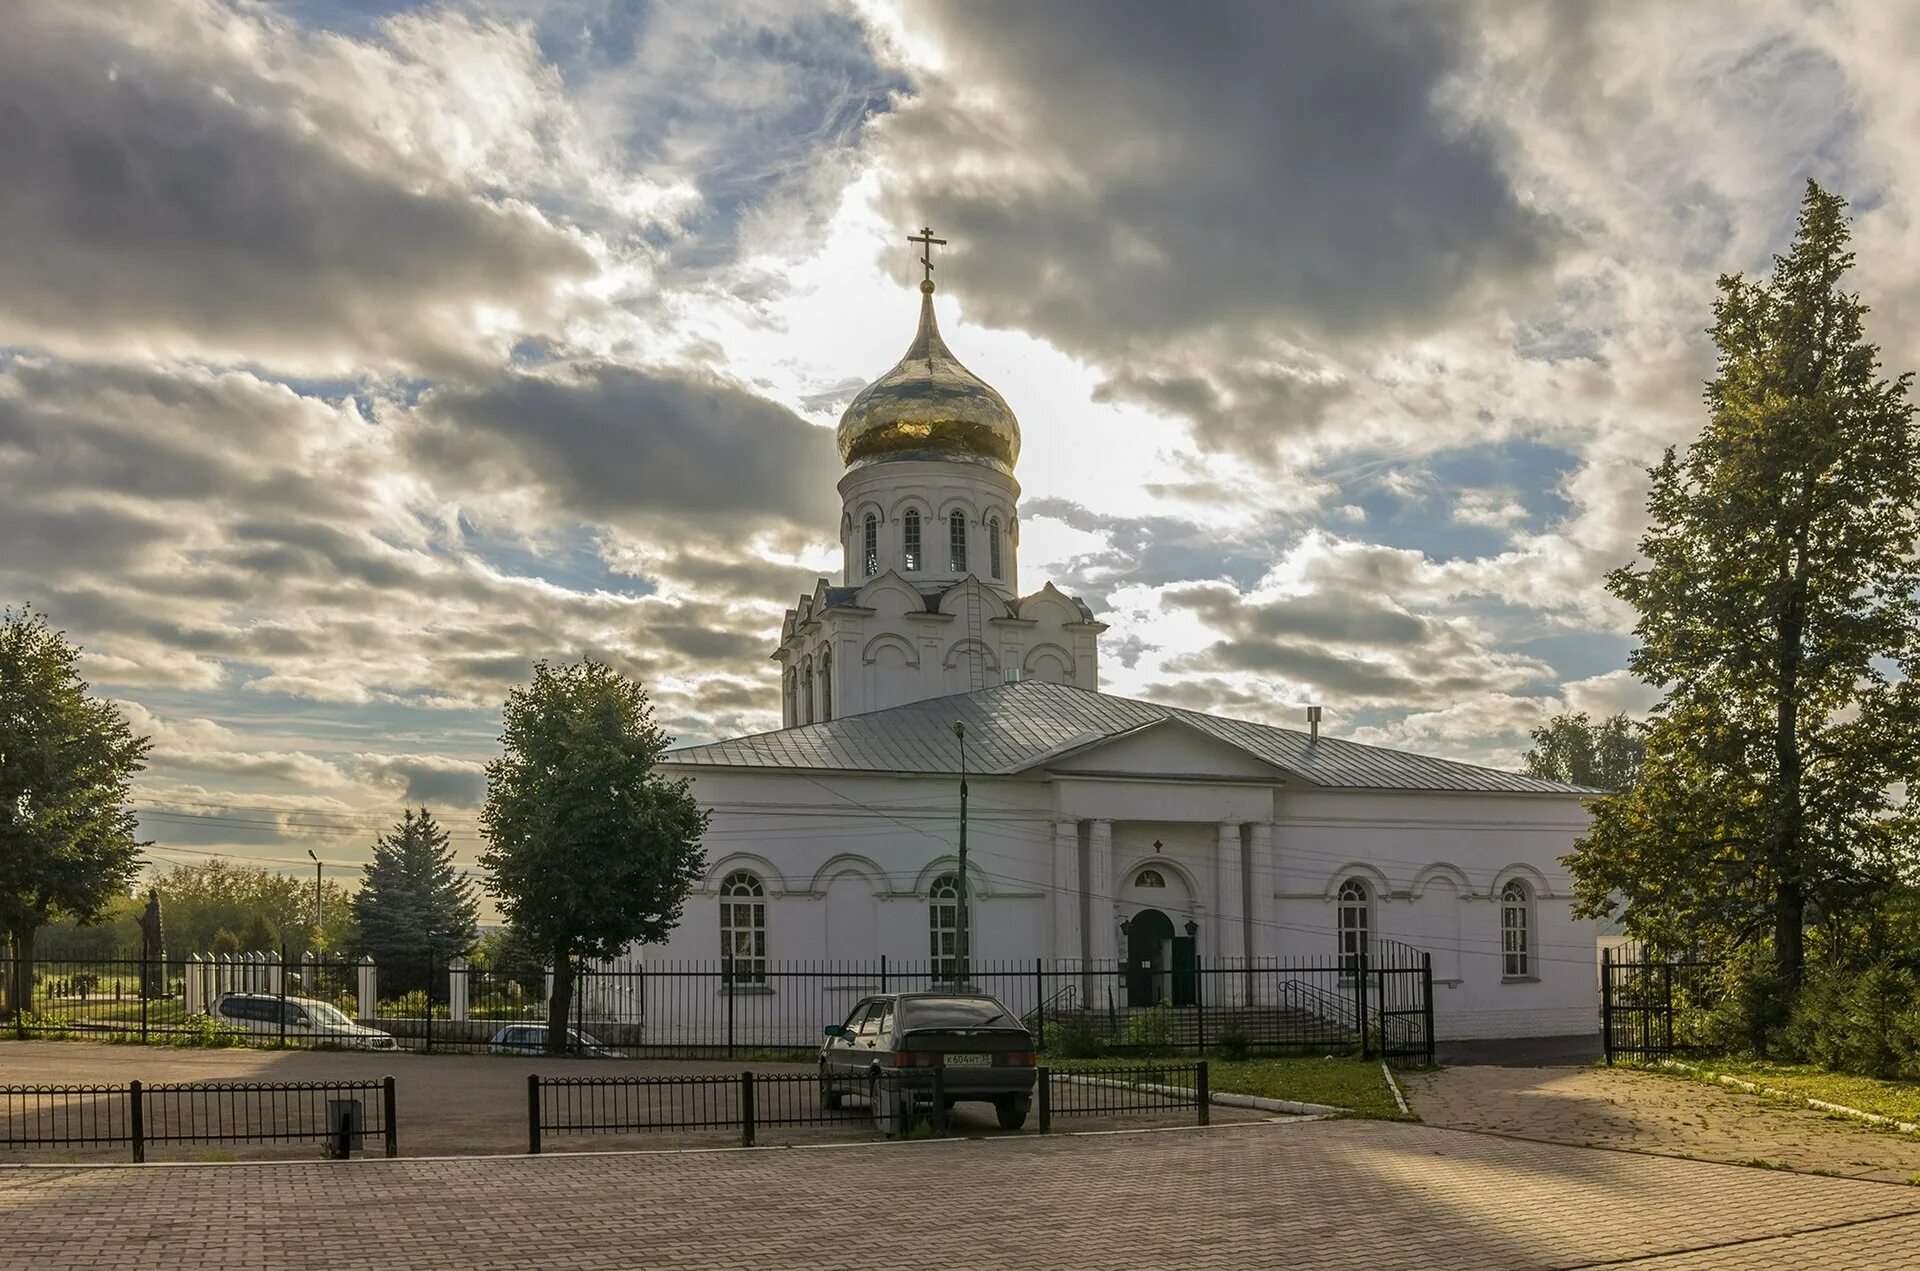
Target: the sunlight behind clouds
(353, 359)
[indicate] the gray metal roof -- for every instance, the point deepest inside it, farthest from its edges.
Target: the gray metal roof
(1019, 728)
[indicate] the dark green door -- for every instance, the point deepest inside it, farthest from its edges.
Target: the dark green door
(1148, 935)
(1184, 958)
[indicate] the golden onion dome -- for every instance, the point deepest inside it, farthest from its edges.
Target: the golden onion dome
(929, 407)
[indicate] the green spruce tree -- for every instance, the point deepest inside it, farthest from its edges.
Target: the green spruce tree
(414, 911)
(1777, 608)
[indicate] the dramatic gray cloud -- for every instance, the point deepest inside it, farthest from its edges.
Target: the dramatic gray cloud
(171, 189)
(620, 444)
(1143, 182)
(353, 357)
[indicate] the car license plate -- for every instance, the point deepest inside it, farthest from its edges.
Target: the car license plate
(969, 1061)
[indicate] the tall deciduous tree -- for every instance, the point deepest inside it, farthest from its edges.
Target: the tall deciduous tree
(1606, 755)
(67, 759)
(590, 849)
(1777, 608)
(414, 910)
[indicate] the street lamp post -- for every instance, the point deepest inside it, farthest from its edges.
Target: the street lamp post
(963, 942)
(317, 904)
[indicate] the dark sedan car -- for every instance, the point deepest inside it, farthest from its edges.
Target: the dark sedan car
(983, 1051)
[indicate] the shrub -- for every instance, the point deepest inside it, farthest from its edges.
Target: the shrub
(1880, 1031)
(411, 1005)
(1072, 1036)
(1150, 1031)
(1233, 1042)
(204, 1030)
(1753, 1008)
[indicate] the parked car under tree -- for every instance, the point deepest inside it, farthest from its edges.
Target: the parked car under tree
(983, 1051)
(297, 1019)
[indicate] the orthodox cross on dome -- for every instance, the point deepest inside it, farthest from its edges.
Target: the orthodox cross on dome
(927, 243)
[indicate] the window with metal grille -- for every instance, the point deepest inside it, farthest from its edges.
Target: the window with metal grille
(957, 541)
(826, 686)
(943, 926)
(806, 695)
(910, 542)
(871, 546)
(993, 546)
(1516, 920)
(1355, 924)
(743, 929)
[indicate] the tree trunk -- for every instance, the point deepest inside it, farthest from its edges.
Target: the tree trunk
(559, 1004)
(1789, 896)
(1789, 926)
(19, 987)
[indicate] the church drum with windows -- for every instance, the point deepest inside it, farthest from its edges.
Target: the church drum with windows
(1102, 830)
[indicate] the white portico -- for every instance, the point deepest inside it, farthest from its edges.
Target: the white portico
(1108, 838)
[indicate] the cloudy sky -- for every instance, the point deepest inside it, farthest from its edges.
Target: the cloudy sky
(355, 354)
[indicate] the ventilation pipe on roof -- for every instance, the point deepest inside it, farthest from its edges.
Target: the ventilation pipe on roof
(1313, 723)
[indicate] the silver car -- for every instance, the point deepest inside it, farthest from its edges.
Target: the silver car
(984, 1053)
(296, 1018)
(531, 1039)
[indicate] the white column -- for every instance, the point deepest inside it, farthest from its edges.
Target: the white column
(457, 990)
(1230, 889)
(1066, 891)
(369, 987)
(1265, 869)
(196, 995)
(1103, 936)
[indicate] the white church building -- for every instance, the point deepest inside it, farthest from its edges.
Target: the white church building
(1102, 832)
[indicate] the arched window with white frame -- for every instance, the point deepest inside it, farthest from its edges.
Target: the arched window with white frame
(943, 927)
(993, 546)
(1516, 930)
(1355, 924)
(957, 541)
(743, 929)
(806, 695)
(793, 702)
(870, 546)
(826, 686)
(910, 542)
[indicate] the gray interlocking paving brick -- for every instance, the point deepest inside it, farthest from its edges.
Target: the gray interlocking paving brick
(1327, 1194)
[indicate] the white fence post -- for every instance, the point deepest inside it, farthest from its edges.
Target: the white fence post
(369, 988)
(457, 990)
(196, 1002)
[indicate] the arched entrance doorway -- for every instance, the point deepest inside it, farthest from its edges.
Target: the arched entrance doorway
(1160, 963)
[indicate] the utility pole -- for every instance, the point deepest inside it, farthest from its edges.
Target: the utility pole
(963, 939)
(317, 909)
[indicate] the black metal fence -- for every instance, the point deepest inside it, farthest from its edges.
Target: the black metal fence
(1380, 1004)
(749, 1102)
(1109, 1091)
(1654, 1008)
(342, 1115)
